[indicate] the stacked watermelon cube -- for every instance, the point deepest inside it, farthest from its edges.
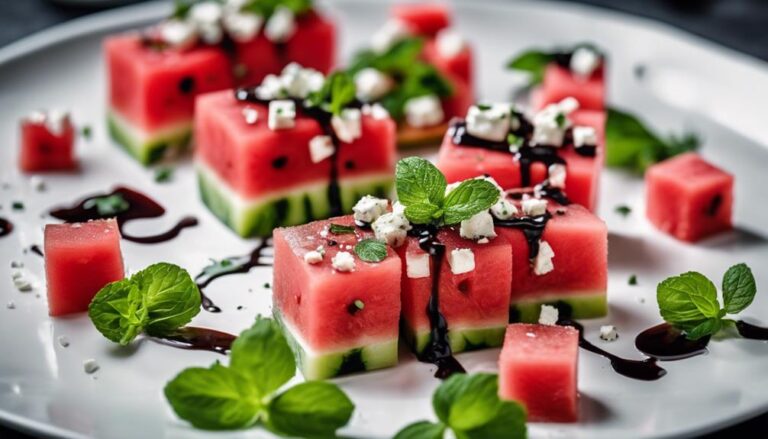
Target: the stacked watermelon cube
(579, 73)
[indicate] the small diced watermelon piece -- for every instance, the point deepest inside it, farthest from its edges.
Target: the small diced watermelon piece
(688, 197)
(337, 322)
(560, 83)
(538, 367)
(80, 259)
(424, 19)
(44, 148)
(579, 279)
(475, 304)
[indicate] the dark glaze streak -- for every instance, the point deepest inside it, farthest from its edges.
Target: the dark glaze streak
(666, 343)
(140, 206)
(193, 338)
(750, 331)
(531, 226)
(6, 227)
(527, 156)
(36, 250)
(644, 370)
(714, 205)
(236, 265)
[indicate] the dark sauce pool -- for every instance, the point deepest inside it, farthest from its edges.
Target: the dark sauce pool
(6, 227)
(199, 339)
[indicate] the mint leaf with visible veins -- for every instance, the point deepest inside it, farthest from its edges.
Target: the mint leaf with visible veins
(422, 430)
(262, 355)
(310, 409)
(339, 229)
(468, 199)
(419, 181)
(371, 250)
(738, 288)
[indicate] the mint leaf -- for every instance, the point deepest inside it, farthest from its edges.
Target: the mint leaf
(468, 199)
(509, 422)
(371, 250)
(423, 213)
(533, 62)
(163, 175)
(338, 91)
(262, 355)
(310, 409)
(338, 229)
(118, 312)
(110, 205)
(689, 297)
(623, 210)
(697, 330)
(738, 288)
(170, 296)
(217, 398)
(419, 181)
(422, 430)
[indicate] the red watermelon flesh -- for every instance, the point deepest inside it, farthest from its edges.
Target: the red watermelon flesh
(538, 367)
(243, 154)
(315, 298)
(560, 83)
(43, 150)
(80, 259)
(425, 19)
(152, 89)
(459, 66)
(479, 298)
(688, 197)
(579, 240)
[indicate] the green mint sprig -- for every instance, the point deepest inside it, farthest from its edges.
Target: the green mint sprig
(371, 250)
(157, 300)
(340, 229)
(630, 144)
(245, 393)
(421, 189)
(689, 301)
(469, 405)
(109, 205)
(337, 92)
(535, 61)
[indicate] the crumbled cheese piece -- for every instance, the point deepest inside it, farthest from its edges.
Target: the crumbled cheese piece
(450, 42)
(348, 126)
(568, 105)
(299, 82)
(343, 261)
(417, 265)
(281, 25)
(398, 208)
(90, 366)
(313, 257)
(548, 315)
(549, 126)
(461, 260)
(372, 84)
(391, 228)
(543, 262)
(324, 233)
(369, 208)
(54, 120)
(250, 115)
(320, 148)
(63, 341)
(424, 111)
(37, 183)
(205, 13)
(608, 333)
(282, 115)
(376, 111)
(390, 33)
(242, 26)
(534, 207)
(557, 175)
(503, 209)
(478, 226)
(584, 61)
(178, 33)
(483, 241)
(489, 122)
(21, 282)
(584, 136)
(271, 87)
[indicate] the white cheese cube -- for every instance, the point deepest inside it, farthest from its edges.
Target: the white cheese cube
(242, 26)
(393, 31)
(608, 333)
(282, 115)
(548, 315)
(391, 228)
(299, 82)
(177, 33)
(417, 265)
(534, 207)
(477, 227)
(503, 209)
(313, 257)
(205, 13)
(343, 261)
(489, 122)
(372, 84)
(369, 208)
(584, 136)
(584, 61)
(461, 260)
(376, 111)
(450, 42)
(424, 111)
(549, 126)
(320, 148)
(349, 125)
(271, 88)
(281, 25)
(542, 264)
(557, 174)
(398, 208)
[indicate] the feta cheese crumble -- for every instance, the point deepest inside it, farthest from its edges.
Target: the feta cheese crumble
(534, 207)
(250, 115)
(417, 265)
(37, 183)
(548, 315)
(282, 115)
(584, 62)
(372, 84)
(391, 228)
(388, 35)
(298, 82)
(424, 111)
(369, 208)
(376, 111)
(320, 148)
(608, 333)
(461, 260)
(313, 257)
(542, 264)
(478, 226)
(242, 26)
(449, 42)
(177, 33)
(343, 262)
(584, 136)
(503, 209)
(489, 122)
(557, 174)
(281, 25)
(55, 121)
(348, 126)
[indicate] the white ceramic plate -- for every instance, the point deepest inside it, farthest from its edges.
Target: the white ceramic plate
(689, 83)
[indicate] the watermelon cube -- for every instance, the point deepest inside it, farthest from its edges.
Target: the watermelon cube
(538, 368)
(559, 83)
(80, 259)
(579, 280)
(688, 197)
(47, 142)
(475, 304)
(254, 178)
(424, 19)
(338, 319)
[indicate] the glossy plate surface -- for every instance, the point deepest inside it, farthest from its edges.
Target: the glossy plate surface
(688, 83)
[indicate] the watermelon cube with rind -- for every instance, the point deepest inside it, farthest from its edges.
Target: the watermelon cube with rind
(538, 367)
(560, 83)
(45, 147)
(688, 197)
(80, 259)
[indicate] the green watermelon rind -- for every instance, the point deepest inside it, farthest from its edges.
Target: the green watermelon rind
(461, 339)
(298, 205)
(153, 148)
(321, 366)
(582, 306)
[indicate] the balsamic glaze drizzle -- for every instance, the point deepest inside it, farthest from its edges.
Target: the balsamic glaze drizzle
(752, 332)
(34, 248)
(6, 227)
(194, 338)
(532, 228)
(667, 343)
(140, 206)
